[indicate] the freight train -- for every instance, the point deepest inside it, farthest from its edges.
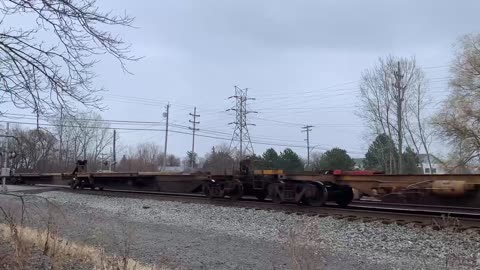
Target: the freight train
(444, 189)
(307, 188)
(275, 184)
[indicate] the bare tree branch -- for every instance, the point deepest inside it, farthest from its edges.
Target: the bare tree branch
(459, 118)
(50, 65)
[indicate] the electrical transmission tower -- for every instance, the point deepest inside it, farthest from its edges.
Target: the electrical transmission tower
(241, 137)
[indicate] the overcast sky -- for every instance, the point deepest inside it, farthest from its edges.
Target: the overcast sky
(301, 60)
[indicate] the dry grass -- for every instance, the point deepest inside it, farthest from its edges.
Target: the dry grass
(62, 252)
(306, 250)
(446, 222)
(23, 242)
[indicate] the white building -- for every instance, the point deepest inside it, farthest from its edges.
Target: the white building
(172, 169)
(437, 165)
(359, 164)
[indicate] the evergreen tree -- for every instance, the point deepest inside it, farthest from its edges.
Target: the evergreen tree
(290, 161)
(410, 162)
(336, 158)
(270, 159)
(192, 159)
(381, 155)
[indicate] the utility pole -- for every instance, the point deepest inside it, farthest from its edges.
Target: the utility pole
(110, 162)
(114, 151)
(166, 115)
(5, 160)
(399, 98)
(194, 123)
(61, 136)
(307, 129)
(240, 133)
(85, 148)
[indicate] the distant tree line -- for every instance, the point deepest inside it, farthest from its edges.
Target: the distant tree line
(146, 157)
(85, 136)
(220, 160)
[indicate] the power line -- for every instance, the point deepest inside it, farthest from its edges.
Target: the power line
(278, 121)
(156, 130)
(145, 123)
(275, 96)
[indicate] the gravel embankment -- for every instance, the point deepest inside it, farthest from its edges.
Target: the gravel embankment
(202, 236)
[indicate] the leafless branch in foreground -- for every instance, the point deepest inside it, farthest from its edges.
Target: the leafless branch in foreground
(48, 64)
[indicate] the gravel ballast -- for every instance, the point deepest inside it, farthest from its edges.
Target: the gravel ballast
(203, 236)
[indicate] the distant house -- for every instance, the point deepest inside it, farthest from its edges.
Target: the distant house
(359, 164)
(172, 169)
(437, 165)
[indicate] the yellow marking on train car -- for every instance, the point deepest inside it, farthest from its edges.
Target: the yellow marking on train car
(268, 172)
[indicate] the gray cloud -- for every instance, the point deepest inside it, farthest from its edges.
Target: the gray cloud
(350, 25)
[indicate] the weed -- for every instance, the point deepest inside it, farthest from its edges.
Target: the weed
(63, 254)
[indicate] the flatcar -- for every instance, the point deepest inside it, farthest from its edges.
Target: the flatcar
(262, 184)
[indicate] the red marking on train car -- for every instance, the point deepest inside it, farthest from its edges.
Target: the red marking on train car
(365, 172)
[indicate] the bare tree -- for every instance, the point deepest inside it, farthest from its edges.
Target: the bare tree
(35, 150)
(315, 160)
(172, 160)
(417, 125)
(146, 157)
(220, 160)
(459, 118)
(385, 94)
(38, 149)
(84, 136)
(49, 65)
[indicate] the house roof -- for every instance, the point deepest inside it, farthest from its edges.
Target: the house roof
(359, 160)
(424, 159)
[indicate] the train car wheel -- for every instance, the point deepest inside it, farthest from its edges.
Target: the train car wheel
(346, 197)
(276, 198)
(273, 192)
(207, 191)
(237, 192)
(321, 195)
(261, 195)
(74, 184)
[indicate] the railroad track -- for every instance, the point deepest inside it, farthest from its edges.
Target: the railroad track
(434, 216)
(414, 205)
